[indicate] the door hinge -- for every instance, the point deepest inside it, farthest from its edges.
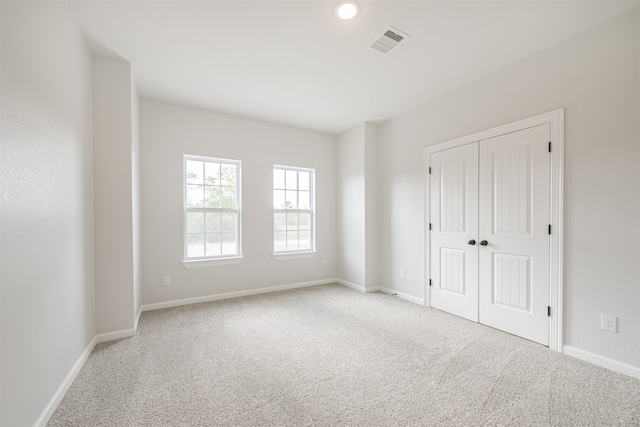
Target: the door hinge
(430, 284)
(549, 146)
(549, 228)
(429, 170)
(549, 311)
(429, 226)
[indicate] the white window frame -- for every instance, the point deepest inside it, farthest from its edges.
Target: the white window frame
(212, 259)
(310, 211)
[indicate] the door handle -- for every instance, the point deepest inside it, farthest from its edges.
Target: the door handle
(483, 243)
(472, 242)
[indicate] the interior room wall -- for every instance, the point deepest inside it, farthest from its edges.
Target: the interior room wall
(46, 206)
(135, 199)
(595, 77)
(359, 229)
(373, 225)
(168, 132)
(114, 175)
(351, 206)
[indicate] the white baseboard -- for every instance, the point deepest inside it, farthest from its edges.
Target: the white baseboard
(351, 285)
(227, 295)
(604, 362)
(362, 289)
(116, 335)
(77, 367)
(411, 298)
(358, 288)
(135, 325)
(64, 386)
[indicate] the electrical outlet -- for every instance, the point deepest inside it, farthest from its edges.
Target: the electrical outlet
(324, 263)
(609, 323)
(166, 280)
(402, 275)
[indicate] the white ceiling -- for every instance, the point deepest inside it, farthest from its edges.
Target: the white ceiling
(293, 62)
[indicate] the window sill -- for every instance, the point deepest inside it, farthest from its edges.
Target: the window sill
(198, 263)
(294, 255)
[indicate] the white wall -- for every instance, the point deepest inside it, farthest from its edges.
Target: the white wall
(135, 199)
(351, 206)
(373, 224)
(46, 209)
(167, 132)
(114, 176)
(359, 229)
(595, 76)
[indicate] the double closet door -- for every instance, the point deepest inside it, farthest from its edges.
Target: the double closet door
(489, 239)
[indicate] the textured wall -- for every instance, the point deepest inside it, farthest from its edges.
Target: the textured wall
(46, 260)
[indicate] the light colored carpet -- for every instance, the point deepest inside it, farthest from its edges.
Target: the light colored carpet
(327, 356)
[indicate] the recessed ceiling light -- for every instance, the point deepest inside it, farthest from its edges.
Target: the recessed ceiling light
(347, 10)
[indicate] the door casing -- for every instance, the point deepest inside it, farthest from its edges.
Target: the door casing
(555, 119)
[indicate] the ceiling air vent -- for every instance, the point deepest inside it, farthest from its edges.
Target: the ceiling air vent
(389, 39)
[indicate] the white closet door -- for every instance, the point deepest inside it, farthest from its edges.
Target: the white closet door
(514, 214)
(454, 216)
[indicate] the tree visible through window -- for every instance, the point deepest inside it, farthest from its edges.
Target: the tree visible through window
(212, 208)
(293, 209)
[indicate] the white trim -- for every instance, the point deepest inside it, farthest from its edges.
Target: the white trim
(227, 295)
(51, 407)
(135, 325)
(351, 285)
(312, 205)
(237, 210)
(199, 263)
(402, 295)
(293, 255)
(116, 335)
(604, 362)
(65, 385)
(518, 125)
(556, 339)
(389, 291)
(555, 119)
(426, 210)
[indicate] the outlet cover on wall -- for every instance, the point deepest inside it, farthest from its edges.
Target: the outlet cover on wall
(166, 280)
(609, 323)
(402, 274)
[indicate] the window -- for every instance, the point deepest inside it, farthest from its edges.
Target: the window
(293, 209)
(211, 208)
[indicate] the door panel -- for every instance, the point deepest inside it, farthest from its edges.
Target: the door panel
(514, 186)
(511, 188)
(512, 281)
(453, 271)
(454, 216)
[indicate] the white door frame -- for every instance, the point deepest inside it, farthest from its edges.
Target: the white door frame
(555, 119)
